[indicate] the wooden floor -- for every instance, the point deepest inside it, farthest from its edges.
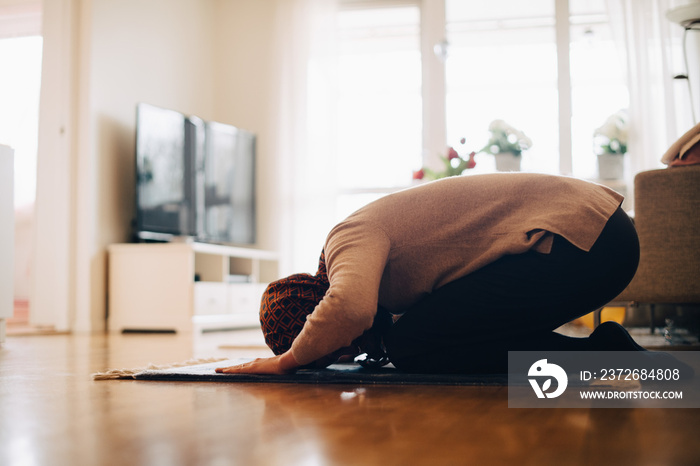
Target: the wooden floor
(52, 413)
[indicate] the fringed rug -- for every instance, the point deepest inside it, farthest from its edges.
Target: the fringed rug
(204, 371)
(113, 374)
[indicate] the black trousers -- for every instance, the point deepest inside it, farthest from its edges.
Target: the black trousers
(514, 304)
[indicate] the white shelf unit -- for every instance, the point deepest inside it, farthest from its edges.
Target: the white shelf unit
(185, 287)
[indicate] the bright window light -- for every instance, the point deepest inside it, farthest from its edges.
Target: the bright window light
(502, 64)
(20, 59)
(379, 103)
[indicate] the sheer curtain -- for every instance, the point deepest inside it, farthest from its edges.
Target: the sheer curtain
(651, 47)
(304, 130)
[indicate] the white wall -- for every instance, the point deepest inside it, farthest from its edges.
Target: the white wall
(207, 58)
(19, 17)
(24, 232)
(157, 51)
(245, 80)
(53, 297)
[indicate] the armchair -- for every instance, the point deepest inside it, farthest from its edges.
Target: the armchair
(667, 217)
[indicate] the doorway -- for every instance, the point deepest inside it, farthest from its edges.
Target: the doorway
(21, 47)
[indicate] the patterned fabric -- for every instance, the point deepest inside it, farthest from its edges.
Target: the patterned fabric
(286, 303)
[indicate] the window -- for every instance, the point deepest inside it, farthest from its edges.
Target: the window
(598, 86)
(414, 76)
(378, 109)
(501, 62)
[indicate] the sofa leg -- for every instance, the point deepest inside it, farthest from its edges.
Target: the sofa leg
(596, 317)
(651, 319)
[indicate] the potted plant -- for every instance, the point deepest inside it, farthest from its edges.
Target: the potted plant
(507, 145)
(453, 164)
(610, 145)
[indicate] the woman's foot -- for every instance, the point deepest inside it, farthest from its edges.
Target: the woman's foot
(611, 336)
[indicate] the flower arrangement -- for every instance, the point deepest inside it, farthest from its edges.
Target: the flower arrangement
(505, 138)
(611, 138)
(454, 164)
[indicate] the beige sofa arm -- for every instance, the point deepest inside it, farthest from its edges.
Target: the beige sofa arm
(667, 217)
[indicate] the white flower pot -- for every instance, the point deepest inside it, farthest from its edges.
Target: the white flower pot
(507, 162)
(611, 166)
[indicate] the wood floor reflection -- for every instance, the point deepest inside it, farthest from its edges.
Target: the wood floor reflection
(52, 413)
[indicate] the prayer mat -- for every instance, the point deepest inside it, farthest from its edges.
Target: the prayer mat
(333, 374)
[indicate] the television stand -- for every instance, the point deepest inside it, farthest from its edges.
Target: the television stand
(186, 287)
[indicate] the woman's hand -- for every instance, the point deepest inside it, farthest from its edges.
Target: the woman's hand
(282, 364)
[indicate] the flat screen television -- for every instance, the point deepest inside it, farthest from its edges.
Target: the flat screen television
(229, 184)
(194, 179)
(164, 174)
